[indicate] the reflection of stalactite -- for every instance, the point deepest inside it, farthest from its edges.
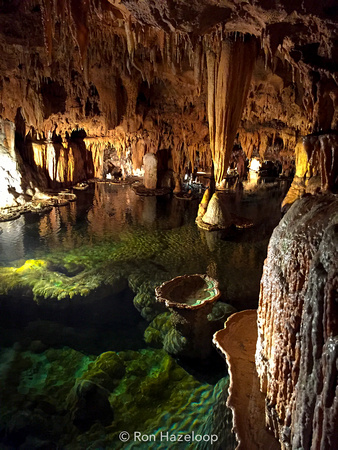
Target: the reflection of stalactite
(229, 75)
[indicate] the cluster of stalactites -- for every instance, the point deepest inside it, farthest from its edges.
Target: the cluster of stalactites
(155, 53)
(320, 93)
(261, 140)
(316, 167)
(73, 13)
(322, 155)
(56, 160)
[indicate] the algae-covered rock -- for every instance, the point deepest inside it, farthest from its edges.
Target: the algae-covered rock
(112, 364)
(149, 390)
(106, 370)
(50, 397)
(175, 343)
(145, 301)
(157, 330)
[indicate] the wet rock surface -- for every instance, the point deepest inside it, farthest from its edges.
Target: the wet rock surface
(297, 325)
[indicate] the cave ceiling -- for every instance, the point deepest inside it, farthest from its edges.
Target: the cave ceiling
(136, 71)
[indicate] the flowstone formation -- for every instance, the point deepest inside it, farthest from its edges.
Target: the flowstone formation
(297, 326)
(237, 344)
(316, 167)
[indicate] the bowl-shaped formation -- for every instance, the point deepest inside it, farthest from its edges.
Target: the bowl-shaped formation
(188, 291)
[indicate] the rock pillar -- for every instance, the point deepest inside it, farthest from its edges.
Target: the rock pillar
(150, 171)
(297, 346)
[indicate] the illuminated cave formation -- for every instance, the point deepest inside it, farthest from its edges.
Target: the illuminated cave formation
(88, 88)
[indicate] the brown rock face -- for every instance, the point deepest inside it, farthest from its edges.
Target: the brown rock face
(297, 347)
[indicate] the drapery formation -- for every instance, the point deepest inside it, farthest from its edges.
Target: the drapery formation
(230, 65)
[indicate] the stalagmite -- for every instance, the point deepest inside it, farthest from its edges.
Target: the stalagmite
(217, 214)
(150, 171)
(296, 354)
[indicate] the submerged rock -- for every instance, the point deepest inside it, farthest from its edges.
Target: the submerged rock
(89, 404)
(106, 371)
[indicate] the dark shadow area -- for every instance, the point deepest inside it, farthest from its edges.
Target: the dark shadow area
(108, 324)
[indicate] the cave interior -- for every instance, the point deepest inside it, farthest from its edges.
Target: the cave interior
(184, 98)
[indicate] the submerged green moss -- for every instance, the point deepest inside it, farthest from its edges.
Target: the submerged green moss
(144, 259)
(147, 391)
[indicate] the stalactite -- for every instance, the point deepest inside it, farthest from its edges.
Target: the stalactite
(70, 165)
(61, 168)
(51, 163)
(322, 153)
(48, 26)
(39, 152)
(229, 76)
(80, 12)
(130, 37)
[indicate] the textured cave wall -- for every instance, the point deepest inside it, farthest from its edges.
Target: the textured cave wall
(134, 74)
(297, 347)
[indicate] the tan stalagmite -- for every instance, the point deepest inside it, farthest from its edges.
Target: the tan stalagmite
(204, 203)
(217, 214)
(229, 66)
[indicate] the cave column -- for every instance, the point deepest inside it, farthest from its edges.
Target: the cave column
(230, 65)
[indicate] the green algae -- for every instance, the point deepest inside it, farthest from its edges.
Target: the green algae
(147, 391)
(155, 392)
(106, 370)
(137, 258)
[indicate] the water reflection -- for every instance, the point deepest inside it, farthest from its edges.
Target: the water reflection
(105, 216)
(11, 240)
